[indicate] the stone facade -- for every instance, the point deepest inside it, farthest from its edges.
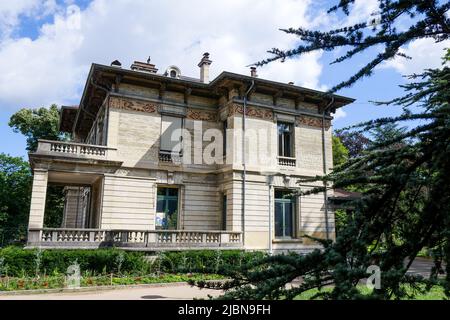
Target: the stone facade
(127, 170)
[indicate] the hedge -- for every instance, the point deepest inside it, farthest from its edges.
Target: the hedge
(23, 262)
(206, 261)
(19, 262)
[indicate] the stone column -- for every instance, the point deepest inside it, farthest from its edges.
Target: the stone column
(38, 195)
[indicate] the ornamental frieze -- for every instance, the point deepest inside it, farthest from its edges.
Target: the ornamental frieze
(312, 122)
(201, 115)
(132, 104)
(250, 111)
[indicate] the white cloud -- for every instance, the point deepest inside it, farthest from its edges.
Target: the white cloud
(425, 53)
(12, 11)
(339, 114)
(53, 67)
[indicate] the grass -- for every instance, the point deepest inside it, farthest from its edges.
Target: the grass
(436, 293)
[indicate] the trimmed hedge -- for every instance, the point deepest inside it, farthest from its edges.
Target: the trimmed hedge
(206, 261)
(19, 262)
(23, 262)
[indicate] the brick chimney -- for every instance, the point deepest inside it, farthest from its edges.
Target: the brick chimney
(253, 72)
(144, 66)
(204, 68)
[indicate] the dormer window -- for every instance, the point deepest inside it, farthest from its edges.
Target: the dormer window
(173, 72)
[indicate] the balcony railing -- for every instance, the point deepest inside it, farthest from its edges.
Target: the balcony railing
(137, 240)
(170, 157)
(287, 161)
(74, 150)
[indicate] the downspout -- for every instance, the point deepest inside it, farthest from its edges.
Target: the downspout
(324, 160)
(244, 171)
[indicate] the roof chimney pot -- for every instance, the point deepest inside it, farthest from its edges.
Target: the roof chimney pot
(253, 72)
(204, 68)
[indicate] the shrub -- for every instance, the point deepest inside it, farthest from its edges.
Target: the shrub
(204, 261)
(22, 262)
(19, 262)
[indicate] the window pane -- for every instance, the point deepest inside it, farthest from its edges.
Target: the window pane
(278, 219)
(288, 219)
(172, 206)
(160, 205)
(287, 145)
(173, 192)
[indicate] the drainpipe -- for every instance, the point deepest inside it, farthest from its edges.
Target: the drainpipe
(325, 194)
(244, 172)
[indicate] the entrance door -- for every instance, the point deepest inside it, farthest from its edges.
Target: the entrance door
(284, 214)
(167, 209)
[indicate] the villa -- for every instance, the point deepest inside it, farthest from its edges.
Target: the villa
(162, 161)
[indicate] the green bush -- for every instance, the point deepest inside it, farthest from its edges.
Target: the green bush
(23, 262)
(204, 261)
(19, 262)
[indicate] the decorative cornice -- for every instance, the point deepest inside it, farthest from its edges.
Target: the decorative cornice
(133, 104)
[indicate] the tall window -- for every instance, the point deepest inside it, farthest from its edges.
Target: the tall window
(167, 208)
(171, 135)
(284, 214)
(285, 139)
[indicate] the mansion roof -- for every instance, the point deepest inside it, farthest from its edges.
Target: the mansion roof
(103, 80)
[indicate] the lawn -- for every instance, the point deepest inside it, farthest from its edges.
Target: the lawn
(436, 293)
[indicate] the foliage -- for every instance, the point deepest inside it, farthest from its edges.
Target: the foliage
(15, 191)
(206, 261)
(54, 206)
(58, 281)
(405, 207)
(42, 123)
(355, 142)
(395, 24)
(21, 262)
(340, 152)
(35, 124)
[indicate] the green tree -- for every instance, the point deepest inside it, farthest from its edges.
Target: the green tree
(340, 152)
(404, 177)
(41, 123)
(407, 195)
(35, 124)
(419, 19)
(355, 142)
(15, 192)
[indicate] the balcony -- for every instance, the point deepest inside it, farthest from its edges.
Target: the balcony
(74, 150)
(149, 240)
(287, 161)
(170, 157)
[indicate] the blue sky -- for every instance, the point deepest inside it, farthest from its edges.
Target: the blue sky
(47, 46)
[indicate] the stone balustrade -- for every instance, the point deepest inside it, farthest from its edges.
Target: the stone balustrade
(287, 161)
(74, 150)
(133, 239)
